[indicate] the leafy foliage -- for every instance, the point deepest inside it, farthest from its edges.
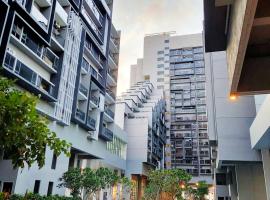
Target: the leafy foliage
(24, 133)
(73, 180)
(200, 190)
(90, 181)
(171, 183)
(31, 196)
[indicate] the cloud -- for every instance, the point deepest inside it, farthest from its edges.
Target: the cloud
(135, 18)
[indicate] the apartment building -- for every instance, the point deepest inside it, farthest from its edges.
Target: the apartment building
(238, 169)
(175, 64)
(140, 111)
(65, 52)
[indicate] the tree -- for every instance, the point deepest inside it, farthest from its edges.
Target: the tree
(24, 133)
(200, 190)
(170, 183)
(73, 180)
(88, 182)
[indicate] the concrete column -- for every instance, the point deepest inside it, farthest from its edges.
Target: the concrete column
(266, 170)
(250, 182)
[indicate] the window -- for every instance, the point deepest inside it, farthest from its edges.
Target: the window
(167, 48)
(160, 79)
(220, 198)
(36, 187)
(7, 187)
(50, 188)
(160, 87)
(160, 65)
(160, 59)
(54, 161)
(160, 72)
(166, 41)
(9, 61)
(160, 52)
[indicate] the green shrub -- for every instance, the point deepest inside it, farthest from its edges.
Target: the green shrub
(16, 197)
(31, 196)
(2, 196)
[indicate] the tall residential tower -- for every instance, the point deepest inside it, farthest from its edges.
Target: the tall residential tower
(176, 65)
(66, 52)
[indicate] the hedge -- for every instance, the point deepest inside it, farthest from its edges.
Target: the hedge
(31, 196)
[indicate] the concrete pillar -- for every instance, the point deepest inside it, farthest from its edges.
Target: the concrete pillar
(250, 182)
(266, 170)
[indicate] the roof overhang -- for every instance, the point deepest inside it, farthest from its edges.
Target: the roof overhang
(242, 28)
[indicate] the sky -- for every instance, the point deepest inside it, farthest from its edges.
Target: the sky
(136, 18)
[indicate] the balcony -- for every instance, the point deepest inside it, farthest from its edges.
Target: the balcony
(112, 62)
(80, 115)
(60, 15)
(44, 57)
(94, 12)
(58, 38)
(106, 134)
(91, 53)
(94, 101)
(114, 47)
(83, 92)
(91, 122)
(85, 67)
(111, 79)
(43, 21)
(97, 76)
(29, 79)
(108, 115)
(92, 24)
(110, 96)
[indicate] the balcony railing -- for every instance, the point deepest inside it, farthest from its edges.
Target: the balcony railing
(91, 121)
(50, 58)
(94, 99)
(111, 94)
(97, 75)
(107, 134)
(96, 55)
(44, 53)
(83, 89)
(28, 75)
(95, 10)
(80, 114)
(85, 65)
(109, 112)
(92, 24)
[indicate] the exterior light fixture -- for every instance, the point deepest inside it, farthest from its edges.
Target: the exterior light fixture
(233, 97)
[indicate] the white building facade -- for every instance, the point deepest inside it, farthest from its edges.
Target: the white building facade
(141, 113)
(238, 169)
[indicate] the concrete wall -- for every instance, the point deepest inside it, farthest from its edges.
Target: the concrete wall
(259, 131)
(232, 119)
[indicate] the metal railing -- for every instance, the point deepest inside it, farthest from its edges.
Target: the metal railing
(95, 10)
(80, 114)
(96, 55)
(91, 121)
(94, 99)
(110, 93)
(109, 112)
(107, 133)
(83, 89)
